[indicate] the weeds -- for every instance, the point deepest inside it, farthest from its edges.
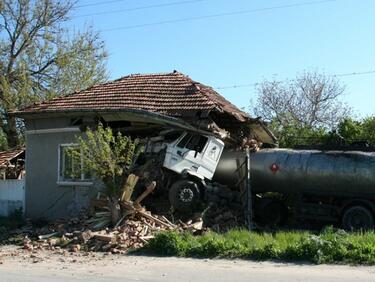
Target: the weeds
(329, 246)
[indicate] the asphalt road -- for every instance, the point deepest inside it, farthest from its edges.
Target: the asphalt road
(128, 268)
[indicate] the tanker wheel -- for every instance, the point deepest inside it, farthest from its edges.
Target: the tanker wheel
(357, 218)
(184, 195)
(272, 213)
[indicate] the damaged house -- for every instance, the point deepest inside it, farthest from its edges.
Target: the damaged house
(12, 164)
(137, 105)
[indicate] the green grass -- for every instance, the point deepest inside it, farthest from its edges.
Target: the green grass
(330, 246)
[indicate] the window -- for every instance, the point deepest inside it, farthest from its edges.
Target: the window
(197, 143)
(71, 165)
(193, 142)
(184, 141)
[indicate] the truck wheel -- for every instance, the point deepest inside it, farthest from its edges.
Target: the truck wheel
(272, 213)
(184, 195)
(357, 217)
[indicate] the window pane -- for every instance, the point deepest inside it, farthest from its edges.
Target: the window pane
(197, 143)
(70, 163)
(184, 140)
(202, 143)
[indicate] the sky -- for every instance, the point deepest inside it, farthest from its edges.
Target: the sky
(249, 42)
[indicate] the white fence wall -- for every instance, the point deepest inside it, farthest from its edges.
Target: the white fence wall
(12, 196)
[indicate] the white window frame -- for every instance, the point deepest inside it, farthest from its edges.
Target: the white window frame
(60, 180)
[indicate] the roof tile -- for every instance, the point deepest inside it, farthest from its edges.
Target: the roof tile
(166, 93)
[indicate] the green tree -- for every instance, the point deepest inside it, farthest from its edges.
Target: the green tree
(294, 134)
(368, 125)
(351, 129)
(3, 141)
(358, 130)
(40, 59)
(109, 156)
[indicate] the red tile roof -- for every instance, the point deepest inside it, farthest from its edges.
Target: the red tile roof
(168, 94)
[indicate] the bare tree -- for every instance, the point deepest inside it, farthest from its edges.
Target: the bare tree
(311, 100)
(39, 58)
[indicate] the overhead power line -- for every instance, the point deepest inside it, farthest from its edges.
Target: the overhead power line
(219, 15)
(140, 8)
(99, 3)
(255, 84)
(355, 73)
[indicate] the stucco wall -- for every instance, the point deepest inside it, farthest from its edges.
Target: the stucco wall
(44, 197)
(12, 196)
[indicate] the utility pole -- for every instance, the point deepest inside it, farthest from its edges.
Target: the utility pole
(249, 200)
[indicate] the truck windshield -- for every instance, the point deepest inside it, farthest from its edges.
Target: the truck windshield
(193, 142)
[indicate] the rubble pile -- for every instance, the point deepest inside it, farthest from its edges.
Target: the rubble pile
(224, 208)
(75, 236)
(92, 234)
(133, 226)
(222, 196)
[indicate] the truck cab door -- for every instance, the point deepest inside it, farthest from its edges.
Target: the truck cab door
(211, 157)
(189, 154)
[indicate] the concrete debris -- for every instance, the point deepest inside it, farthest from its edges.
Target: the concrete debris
(96, 231)
(134, 232)
(137, 227)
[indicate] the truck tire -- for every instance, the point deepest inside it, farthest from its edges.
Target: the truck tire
(357, 217)
(184, 195)
(271, 213)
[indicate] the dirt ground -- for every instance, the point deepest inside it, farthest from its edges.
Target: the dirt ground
(20, 265)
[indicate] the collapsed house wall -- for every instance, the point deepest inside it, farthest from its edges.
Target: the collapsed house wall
(46, 197)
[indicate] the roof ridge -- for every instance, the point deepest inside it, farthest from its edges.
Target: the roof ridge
(106, 83)
(175, 72)
(128, 92)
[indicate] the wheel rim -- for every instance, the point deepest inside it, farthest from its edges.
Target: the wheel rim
(359, 219)
(186, 195)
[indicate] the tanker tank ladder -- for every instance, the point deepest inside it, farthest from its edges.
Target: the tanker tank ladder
(244, 184)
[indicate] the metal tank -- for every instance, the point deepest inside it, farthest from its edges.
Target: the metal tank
(336, 173)
(226, 170)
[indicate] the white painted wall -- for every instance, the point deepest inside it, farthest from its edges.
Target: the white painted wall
(12, 196)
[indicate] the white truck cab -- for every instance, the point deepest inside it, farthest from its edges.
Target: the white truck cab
(194, 154)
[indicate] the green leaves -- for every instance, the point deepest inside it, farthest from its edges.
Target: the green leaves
(354, 130)
(3, 141)
(39, 59)
(294, 134)
(108, 155)
(351, 130)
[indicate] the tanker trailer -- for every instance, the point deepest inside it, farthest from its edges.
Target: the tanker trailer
(325, 186)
